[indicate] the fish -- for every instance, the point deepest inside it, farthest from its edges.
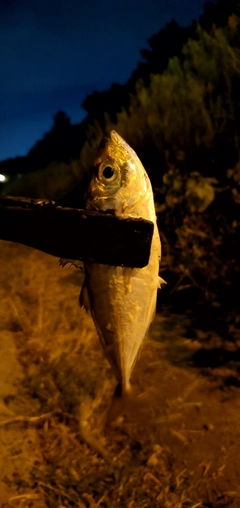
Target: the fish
(122, 300)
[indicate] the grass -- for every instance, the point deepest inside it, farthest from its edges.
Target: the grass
(57, 450)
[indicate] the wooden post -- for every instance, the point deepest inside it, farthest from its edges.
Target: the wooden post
(75, 233)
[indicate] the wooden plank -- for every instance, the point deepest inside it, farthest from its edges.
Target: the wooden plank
(76, 234)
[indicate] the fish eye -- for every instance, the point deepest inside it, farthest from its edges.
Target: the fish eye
(108, 172)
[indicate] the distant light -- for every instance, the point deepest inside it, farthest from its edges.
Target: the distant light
(2, 178)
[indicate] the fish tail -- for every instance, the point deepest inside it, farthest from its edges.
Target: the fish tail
(119, 404)
(138, 407)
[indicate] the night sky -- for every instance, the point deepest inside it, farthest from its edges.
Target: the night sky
(55, 52)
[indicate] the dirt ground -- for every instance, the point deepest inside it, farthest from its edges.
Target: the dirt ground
(176, 447)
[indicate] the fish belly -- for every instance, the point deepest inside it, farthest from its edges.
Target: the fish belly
(122, 302)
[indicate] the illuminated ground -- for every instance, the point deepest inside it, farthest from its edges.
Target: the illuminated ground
(177, 448)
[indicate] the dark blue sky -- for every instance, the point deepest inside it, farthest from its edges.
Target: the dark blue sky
(55, 52)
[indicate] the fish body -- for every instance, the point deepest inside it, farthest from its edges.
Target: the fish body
(122, 300)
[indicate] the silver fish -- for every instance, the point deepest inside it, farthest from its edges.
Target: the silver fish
(122, 300)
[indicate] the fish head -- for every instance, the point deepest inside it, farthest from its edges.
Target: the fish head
(119, 179)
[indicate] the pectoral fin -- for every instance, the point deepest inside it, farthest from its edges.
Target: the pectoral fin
(161, 281)
(84, 298)
(73, 262)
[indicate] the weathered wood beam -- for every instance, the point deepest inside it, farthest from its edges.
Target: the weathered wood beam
(75, 233)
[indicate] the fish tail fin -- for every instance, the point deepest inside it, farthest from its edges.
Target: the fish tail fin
(127, 403)
(118, 403)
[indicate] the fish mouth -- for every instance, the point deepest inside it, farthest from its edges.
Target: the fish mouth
(113, 137)
(103, 142)
(113, 143)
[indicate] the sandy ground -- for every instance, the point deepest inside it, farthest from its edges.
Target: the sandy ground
(178, 445)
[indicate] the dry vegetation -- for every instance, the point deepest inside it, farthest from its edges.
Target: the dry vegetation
(177, 447)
